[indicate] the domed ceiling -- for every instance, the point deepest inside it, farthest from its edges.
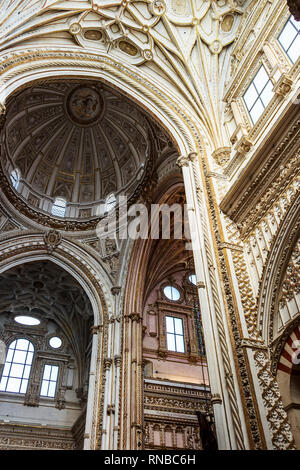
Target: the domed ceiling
(78, 140)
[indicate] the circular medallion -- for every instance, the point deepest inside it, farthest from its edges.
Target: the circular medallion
(85, 105)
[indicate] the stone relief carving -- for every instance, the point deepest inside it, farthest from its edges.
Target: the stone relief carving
(277, 418)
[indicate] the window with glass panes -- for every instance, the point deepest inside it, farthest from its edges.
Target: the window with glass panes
(59, 207)
(15, 177)
(16, 371)
(258, 94)
(49, 381)
(174, 331)
(289, 39)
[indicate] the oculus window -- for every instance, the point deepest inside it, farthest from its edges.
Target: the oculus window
(175, 338)
(55, 342)
(59, 207)
(26, 320)
(289, 39)
(258, 94)
(17, 366)
(49, 381)
(171, 293)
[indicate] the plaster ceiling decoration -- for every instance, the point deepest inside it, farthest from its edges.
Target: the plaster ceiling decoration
(184, 44)
(75, 140)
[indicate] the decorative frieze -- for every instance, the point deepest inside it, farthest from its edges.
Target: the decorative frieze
(20, 437)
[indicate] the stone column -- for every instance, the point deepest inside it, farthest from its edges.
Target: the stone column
(132, 388)
(226, 404)
(88, 444)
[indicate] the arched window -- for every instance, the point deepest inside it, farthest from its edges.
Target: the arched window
(17, 366)
(110, 202)
(15, 177)
(59, 207)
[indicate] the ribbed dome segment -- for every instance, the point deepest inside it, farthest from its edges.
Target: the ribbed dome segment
(78, 140)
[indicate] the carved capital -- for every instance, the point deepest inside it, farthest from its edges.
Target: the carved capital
(216, 399)
(107, 363)
(135, 317)
(110, 409)
(200, 285)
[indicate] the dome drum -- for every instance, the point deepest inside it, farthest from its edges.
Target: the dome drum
(75, 140)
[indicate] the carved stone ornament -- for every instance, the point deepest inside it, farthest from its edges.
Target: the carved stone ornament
(182, 161)
(282, 437)
(52, 239)
(222, 155)
(284, 85)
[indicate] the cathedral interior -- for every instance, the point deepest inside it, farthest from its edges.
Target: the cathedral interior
(187, 338)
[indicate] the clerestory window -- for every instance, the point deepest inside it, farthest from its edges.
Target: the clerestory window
(49, 381)
(15, 177)
(289, 39)
(174, 331)
(59, 207)
(16, 371)
(110, 202)
(258, 94)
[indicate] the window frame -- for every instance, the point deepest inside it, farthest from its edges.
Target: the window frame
(261, 65)
(55, 205)
(15, 180)
(50, 364)
(110, 203)
(286, 51)
(175, 334)
(28, 379)
(172, 286)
